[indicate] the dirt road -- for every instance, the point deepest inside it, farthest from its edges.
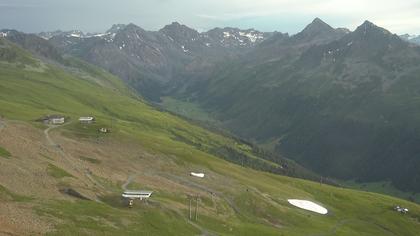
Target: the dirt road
(129, 180)
(67, 157)
(2, 124)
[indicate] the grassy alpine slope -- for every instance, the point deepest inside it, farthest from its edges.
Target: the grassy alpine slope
(156, 150)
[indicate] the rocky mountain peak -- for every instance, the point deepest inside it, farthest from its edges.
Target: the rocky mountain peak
(174, 25)
(370, 28)
(116, 27)
(179, 32)
(375, 35)
(132, 27)
(318, 21)
(318, 32)
(317, 26)
(368, 24)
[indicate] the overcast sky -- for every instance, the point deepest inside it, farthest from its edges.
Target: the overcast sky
(291, 16)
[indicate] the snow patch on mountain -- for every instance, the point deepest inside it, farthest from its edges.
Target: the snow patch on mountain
(3, 34)
(242, 37)
(76, 35)
(252, 36)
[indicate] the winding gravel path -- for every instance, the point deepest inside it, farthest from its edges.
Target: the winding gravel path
(67, 157)
(129, 180)
(2, 124)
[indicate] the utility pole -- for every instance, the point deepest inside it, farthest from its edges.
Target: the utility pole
(196, 208)
(190, 206)
(113, 122)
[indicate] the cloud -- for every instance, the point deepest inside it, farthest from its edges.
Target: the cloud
(233, 16)
(281, 15)
(16, 5)
(398, 16)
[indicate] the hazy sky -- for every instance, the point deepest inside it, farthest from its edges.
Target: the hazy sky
(291, 16)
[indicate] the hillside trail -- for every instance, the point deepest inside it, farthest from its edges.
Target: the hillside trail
(2, 124)
(128, 181)
(67, 157)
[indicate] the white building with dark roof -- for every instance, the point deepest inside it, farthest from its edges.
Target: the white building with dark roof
(141, 194)
(87, 119)
(54, 119)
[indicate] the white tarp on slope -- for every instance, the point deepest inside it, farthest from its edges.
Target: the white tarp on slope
(199, 175)
(308, 205)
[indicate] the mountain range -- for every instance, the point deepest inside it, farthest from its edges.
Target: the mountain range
(341, 103)
(149, 61)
